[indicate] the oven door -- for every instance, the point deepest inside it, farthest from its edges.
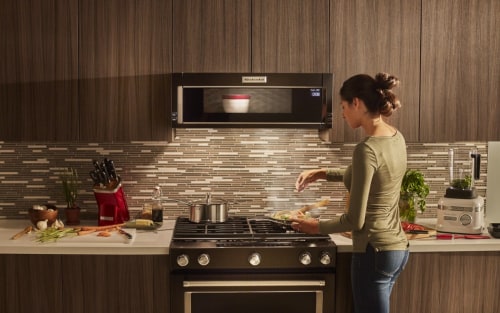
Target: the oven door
(252, 293)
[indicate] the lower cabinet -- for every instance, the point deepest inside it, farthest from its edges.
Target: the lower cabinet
(84, 283)
(444, 282)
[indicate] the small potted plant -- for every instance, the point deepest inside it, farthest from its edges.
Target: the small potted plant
(413, 193)
(70, 188)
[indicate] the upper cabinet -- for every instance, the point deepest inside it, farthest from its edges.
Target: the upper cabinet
(368, 37)
(124, 58)
(460, 78)
(211, 35)
(250, 36)
(290, 36)
(38, 70)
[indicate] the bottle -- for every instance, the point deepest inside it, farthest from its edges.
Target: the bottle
(157, 208)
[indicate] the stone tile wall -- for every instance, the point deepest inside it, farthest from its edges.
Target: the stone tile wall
(255, 167)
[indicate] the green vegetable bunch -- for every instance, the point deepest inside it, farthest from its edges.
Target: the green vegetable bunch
(414, 191)
(464, 183)
(70, 186)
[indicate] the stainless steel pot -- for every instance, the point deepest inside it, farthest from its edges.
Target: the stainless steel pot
(208, 212)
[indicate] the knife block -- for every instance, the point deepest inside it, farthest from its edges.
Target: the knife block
(112, 205)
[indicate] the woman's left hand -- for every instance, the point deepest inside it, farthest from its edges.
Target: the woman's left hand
(305, 225)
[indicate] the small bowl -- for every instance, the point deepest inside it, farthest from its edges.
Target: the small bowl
(41, 215)
(494, 230)
(235, 103)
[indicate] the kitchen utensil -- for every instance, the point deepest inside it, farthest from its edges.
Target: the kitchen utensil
(461, 210)
(208, 212)
(460, 236)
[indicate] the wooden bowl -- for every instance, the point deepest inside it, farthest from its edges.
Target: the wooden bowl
(41, 215)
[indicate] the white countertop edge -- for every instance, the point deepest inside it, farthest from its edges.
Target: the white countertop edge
(90, 250)
(344, 245)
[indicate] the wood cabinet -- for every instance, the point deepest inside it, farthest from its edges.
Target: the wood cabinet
(84, 283)
(30, 283)
(290, 36)
(211, 35)
(448, 282)
(377, 36)
(460, 79)
(38, 70)
(250, 36)
(124, 58)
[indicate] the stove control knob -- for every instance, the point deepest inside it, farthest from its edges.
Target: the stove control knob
(326, 258)
(305, 258)
(254, 259)
(203, 259)
(182, 260)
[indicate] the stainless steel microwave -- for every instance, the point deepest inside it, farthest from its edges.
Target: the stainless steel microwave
(292, 100)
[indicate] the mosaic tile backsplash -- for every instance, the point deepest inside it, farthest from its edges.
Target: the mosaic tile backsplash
(255, 168)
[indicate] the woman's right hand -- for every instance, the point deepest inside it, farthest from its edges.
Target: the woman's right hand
(307, 177)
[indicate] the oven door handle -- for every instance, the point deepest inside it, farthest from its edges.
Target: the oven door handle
(255, 283)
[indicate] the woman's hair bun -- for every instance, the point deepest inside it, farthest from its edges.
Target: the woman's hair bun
(384, 82)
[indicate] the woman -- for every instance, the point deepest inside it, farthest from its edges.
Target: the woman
(380, 246)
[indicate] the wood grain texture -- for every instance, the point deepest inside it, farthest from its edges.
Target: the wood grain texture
(30, 283)
(126, 284)
(38, 70)
(290, 36)
(460, 70)
(211, 36)
(377, 36)
(454, 282)
(124, 60)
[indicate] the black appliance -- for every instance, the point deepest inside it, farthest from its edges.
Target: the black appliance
(296, 100)
(250, 265)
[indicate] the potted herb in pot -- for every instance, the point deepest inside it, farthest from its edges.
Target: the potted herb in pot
(413, 193)
(70, 188)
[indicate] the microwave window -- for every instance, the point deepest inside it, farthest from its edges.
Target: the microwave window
(255, 100)
(252, 104)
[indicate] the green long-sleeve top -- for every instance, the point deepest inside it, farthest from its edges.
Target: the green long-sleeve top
(374, 182)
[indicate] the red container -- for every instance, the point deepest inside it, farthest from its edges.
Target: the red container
(112, 205)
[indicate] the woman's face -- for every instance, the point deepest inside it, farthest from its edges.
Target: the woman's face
(349, 114)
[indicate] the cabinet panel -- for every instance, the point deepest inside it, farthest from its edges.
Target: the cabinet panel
(211, 35)
(450, 282)
(125, 54)
(460, 71)
(290, 36)
(30, 283)
(377, 36)
(121, 283)
(38, 70)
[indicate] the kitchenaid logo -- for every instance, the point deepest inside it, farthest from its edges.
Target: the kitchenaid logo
(253, 79)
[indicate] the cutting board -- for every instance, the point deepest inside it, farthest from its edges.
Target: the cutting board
(93, 238)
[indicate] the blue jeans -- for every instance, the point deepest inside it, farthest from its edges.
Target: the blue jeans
(373, 275)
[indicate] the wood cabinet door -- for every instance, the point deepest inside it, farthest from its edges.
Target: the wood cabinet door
(116, 283)
(211, 35)
(31, 283)
(459, 94)
(368, 37)
(290, 36)
(125, 53)
(38, 70)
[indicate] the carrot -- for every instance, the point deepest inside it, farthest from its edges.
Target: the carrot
(85, 232)
(104, 233)
(101, 228)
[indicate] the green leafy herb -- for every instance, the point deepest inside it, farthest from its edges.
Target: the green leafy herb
(414, 191)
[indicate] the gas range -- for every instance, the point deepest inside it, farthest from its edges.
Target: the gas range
(250, 244)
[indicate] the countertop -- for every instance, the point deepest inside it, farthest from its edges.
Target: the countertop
(144, 242)
(157, 242)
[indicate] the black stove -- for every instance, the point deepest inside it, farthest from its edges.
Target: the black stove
(244, 243)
